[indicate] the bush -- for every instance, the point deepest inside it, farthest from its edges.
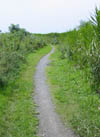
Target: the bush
(14, 47)
(82, 46)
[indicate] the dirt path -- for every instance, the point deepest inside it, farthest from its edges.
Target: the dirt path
(50, 124)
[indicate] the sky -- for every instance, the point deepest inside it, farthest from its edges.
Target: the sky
(45, 16)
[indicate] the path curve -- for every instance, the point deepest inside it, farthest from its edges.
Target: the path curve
(50, 124)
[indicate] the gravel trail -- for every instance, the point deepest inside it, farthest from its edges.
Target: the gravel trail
(50, 124)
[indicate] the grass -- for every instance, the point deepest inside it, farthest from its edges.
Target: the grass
(77, 105)
(17, 108)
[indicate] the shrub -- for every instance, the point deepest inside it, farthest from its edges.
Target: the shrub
(14, 47)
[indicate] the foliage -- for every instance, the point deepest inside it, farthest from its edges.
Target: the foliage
(77, 105)
(95, 59)
(14, 47)
(18, 116)
(82, 46)
(75, 77)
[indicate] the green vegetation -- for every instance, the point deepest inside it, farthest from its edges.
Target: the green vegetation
(77, 105)
(17, 109)
(81, 45)
(14, 48)
(19, 54)
(74, 75)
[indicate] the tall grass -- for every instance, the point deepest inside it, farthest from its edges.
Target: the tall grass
(75, 77)
(19, 54)
(14, 47)
(82, 46)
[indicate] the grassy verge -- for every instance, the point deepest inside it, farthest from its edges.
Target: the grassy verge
(77, 105)
(17, 108)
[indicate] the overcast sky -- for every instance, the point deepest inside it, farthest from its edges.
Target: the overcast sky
(44, 16)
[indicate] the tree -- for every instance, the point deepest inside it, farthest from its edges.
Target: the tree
(13, 28)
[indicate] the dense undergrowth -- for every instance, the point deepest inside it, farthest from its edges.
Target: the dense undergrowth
(75, 76)
(78, 106)
(20, 51)
(18, 117)
(82, 46)
(14, 47)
